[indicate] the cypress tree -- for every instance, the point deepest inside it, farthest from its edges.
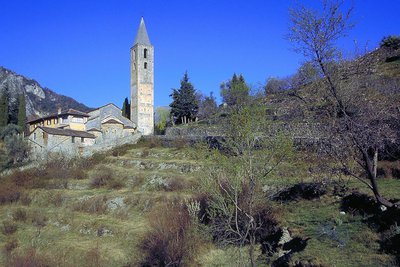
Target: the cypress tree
(126, 109)
(21, 112)
(4, 108)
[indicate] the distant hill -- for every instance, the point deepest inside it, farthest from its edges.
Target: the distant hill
(379, 70)
(40, 101)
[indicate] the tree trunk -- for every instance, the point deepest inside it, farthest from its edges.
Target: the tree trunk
(251, 249)
(371, 168)
(375, 162)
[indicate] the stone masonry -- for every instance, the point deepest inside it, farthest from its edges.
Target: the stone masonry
(142, 82)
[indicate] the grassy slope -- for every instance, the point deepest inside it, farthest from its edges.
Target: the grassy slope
(71, 235)
(71, 229)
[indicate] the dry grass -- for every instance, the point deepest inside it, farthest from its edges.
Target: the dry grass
(73, 226)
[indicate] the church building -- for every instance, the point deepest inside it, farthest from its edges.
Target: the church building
(142, 82)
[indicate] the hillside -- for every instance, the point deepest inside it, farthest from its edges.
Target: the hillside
(40, 100)
(99, 212)
(378, 70)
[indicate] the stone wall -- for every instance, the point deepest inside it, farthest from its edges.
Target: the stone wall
(296, 130)
(110, 144)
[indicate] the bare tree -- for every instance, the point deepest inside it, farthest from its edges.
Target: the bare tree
(234, 185)
(361, 120)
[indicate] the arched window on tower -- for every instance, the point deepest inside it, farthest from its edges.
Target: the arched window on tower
(145, 65)
(145, 53)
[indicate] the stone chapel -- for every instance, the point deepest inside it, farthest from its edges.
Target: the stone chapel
(142, 81)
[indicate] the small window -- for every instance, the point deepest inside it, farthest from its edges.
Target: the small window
(48, 122)
(73, 139)
(145, 53)
(34, 136)
(145, 65)
(82, 140)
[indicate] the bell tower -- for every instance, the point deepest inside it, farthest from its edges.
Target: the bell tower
(142, 81)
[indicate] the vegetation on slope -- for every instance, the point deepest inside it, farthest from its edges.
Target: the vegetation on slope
(115, 209)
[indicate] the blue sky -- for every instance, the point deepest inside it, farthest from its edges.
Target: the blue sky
(81, 48)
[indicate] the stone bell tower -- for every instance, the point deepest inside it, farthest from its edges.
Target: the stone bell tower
(142, 81)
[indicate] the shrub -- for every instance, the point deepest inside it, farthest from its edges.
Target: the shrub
(359, 203)
(28, 258)
(302, 191)
(96, 205)
(8, 228)
(176, 183)
(115, 184)
(19, 215)
(383, 221)
(9, 130)
(103, 176)
(57, 198)
(9, 193)
(78, 174)
(17, 148)
(93, 257)
(151, 142)
(172, 241)
(25, 200)
(32, 178)
(94, 160)
(145, 153)
(121, 150)
(391, 41)
(390, 241)
(180, 143)
(10, 245)
(39, 220)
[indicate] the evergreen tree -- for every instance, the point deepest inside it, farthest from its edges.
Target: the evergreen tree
(126, 109)
(184, 106)
(235, 91)
(21, 112)
(4, 108)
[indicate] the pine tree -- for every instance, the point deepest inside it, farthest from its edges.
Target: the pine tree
(21, 112)
(4, 108)
(184, 106)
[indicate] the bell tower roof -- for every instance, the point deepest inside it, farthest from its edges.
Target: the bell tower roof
(141, 36)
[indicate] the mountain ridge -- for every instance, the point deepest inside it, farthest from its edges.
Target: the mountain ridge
(40, 101)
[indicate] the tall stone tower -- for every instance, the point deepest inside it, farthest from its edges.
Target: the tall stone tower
(142, 81)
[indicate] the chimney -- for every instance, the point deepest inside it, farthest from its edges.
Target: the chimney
(59, 111)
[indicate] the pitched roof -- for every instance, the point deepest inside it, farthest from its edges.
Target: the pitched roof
(141, 36)
(111, 119)
(109, 104)
(100, 114)
(94, 130)
(70, 111)
(66, 132)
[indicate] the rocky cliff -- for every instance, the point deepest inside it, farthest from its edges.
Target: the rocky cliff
(40, 100)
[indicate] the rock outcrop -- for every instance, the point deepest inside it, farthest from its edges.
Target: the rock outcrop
(40, 101)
